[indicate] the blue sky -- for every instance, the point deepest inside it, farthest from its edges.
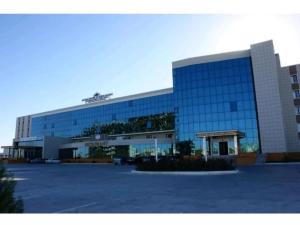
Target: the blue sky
(53, 61)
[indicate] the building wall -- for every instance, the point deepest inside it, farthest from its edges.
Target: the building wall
(268, 99)
(23, 127)
(244, 90)
(297, 102)
(52, 145)
(289, 109)
(215, 96)
(74, 122)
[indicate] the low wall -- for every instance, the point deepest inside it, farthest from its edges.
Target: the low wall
(283, 157)
(246, 159)
(86, 161)
(13, 161)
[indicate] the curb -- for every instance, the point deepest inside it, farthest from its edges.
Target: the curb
(188, 173)
(283, 163)
(86, 163)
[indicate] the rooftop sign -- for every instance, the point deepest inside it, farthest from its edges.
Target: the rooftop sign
(97, 98)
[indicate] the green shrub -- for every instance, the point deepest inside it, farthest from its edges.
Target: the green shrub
(8, 204)
(186, 165)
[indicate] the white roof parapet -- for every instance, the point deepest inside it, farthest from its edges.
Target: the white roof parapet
(210, 58)
(107, 102)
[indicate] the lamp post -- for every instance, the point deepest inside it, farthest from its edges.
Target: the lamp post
(204, 149)
(156, 152)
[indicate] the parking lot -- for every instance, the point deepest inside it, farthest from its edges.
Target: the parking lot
(105, 188)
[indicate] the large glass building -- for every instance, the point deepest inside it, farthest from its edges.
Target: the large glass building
(223, 104)
(216, 96)
(75, 122)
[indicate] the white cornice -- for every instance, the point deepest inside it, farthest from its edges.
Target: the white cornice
(210, 58)
(107, 102)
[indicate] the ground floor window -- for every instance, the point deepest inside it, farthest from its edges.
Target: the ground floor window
(149, 150)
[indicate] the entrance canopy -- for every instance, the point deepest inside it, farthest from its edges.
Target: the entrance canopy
(221, 134)
(218, 142)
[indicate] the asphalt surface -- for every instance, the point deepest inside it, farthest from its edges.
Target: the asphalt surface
(96, 188)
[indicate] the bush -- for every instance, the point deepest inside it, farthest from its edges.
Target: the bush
(8, 204)
(186, 165)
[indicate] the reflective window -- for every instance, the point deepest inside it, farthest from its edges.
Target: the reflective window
(149, 124)
(216, 96)
(297, 94)
(233, 106)
(74, 123)
(294, 78)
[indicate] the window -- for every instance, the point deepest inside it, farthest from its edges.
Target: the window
(298, 110)
(113, 117)
(130, 103)
(149, 124)
(294, 78)
(75, 122)
(45, 126)
(169, 135)
(297, 93)
(52, 125)
(233, 106)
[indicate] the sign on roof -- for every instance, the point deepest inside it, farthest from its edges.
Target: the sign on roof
(97, 97)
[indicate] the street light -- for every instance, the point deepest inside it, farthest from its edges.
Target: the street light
(156, 150)
(204, 148)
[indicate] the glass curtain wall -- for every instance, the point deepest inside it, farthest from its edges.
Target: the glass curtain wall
(216, 96)
(74, 123)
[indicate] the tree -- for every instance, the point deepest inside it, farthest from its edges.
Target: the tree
(99, 152)
(163, 121)
(122, 151)
(184, 147)
(8, 204)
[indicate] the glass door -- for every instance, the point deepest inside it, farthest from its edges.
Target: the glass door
(223, 148)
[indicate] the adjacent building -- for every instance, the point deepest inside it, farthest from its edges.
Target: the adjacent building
(226, 103)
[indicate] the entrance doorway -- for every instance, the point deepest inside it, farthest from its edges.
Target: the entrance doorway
(32, 153)
(66, 153)
(223, 148)
(221, 142)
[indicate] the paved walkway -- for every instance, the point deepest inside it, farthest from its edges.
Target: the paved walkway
(114, 189)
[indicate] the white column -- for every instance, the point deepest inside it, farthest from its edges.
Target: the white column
(235, 140)
(156, 149)
(211, 146)
(204, 148)
(174, 147)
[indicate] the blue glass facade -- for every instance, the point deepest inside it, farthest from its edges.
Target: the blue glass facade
(73, 123)
(216, 96)
(207, 97)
